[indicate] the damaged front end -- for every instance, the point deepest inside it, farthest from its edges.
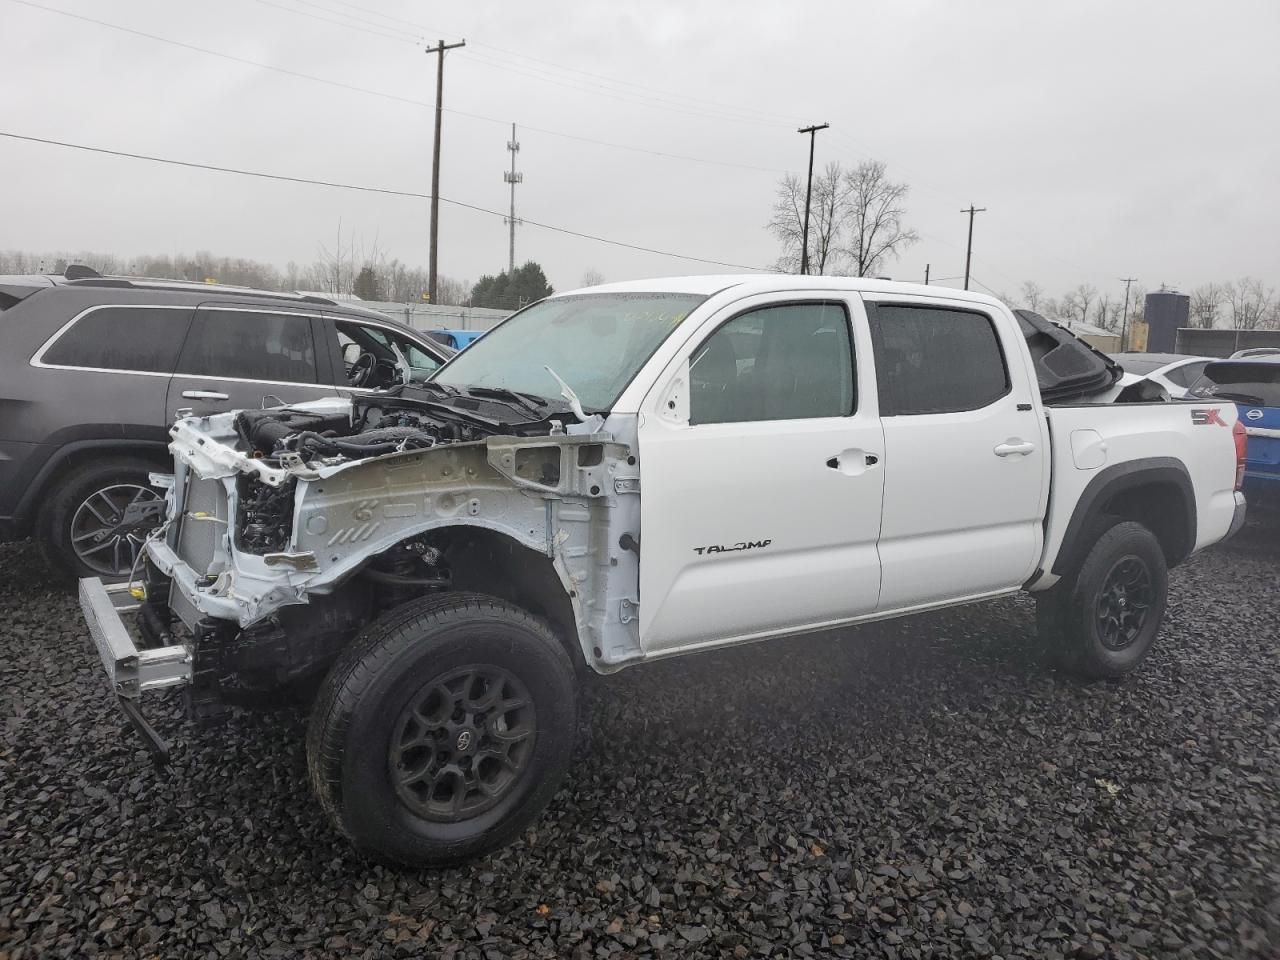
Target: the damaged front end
(290, 529)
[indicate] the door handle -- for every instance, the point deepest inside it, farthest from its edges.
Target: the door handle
(852, 462)
(204, 395)
(1014, 446)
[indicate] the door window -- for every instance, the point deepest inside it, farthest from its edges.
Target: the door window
(1187, 374)
(357, 338)
(789, 362)
(936, 360)
(250, 345)
(122, 338)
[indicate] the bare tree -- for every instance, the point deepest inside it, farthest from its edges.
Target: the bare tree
(1032, 295)
(877, 206)
(1206, 305)
(1250, 302)
(592, 277)
(828, 210)
(1106, 313)
(1075, 305)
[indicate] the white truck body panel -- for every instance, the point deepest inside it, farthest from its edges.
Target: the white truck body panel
(814, 522)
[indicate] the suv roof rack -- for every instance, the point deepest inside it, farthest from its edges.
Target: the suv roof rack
(87, 277)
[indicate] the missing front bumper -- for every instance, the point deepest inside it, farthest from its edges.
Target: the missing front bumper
(130, 670)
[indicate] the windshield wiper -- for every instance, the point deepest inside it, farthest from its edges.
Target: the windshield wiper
(1248, 398)
(528, 402)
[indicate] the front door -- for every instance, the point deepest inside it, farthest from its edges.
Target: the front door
(245, 358)
(966, 454)
(761, 476)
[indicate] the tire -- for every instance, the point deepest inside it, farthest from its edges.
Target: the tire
(80, 501)
(1100, 621)
(454, 652)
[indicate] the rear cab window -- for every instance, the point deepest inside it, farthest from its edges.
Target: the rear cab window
(125, 338)
(935, 359)
(250, 345)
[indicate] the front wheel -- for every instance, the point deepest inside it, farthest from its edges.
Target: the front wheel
(1100, 621)
(444, 730)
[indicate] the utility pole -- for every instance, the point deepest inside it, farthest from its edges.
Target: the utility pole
(512, 178)
(435, 166)
(968, 253)
(926, 274)
(808, 196)
(1124, 324)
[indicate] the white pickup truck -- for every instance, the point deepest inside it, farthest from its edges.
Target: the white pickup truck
(636, 471)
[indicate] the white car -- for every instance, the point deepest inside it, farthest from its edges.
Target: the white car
(1173, 371)
(643, 470)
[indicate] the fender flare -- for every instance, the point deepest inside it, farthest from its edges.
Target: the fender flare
(1114, 480)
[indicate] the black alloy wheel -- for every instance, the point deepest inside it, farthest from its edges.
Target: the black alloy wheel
(462, 743)
(1124, 603)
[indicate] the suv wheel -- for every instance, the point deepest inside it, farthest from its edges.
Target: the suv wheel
(98, 517)
(443, 731)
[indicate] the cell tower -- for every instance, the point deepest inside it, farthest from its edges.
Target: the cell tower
(512, 178)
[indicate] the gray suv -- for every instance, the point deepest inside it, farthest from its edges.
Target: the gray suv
(94, 369)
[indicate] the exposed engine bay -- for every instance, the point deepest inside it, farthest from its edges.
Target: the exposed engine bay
(290, 528)
(400, 421)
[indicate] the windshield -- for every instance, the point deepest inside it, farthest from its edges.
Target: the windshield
(1260, 382)
(596, 342)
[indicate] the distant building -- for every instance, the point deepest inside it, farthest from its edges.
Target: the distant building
(1166, 312)
(1223, 343)
(1096, 337)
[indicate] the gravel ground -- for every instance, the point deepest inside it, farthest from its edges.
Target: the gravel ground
(918, 789)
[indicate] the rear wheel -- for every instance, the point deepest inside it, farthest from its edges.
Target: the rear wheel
(1101, 620)
(99, 515)
(444, 730)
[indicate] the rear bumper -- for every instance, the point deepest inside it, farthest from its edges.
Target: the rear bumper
(1238, 518)
(130, 670)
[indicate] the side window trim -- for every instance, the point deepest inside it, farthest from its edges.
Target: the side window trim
(884, 388)
(825, 301)
(232, 308)
(37, 358)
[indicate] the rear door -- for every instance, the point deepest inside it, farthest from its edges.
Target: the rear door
(238, 358)
(966, 454)
(761, 479)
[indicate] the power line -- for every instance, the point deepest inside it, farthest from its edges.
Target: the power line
(635, 99)
(655, 92)
(401, 38)
(379, 190)
(299, 75)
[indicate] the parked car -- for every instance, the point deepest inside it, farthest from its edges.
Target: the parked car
(455, 339)
(644, 470)
(1253, 385)
(1255, 352)
(1173, 371)
(94, 369)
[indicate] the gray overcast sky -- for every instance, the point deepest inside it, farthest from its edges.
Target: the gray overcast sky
(1106, 139)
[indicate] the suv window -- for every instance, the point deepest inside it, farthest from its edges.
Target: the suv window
(1187, 374)
(788, 362)
(144, 339)
(250, 345)
(936, 359)
(356, 338)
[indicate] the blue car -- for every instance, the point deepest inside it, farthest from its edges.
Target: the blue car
(458, 339)
(1253, 385)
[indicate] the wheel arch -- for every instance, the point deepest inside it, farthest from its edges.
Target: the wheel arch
(485, 559)
(1156, 492)
(71, 455)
